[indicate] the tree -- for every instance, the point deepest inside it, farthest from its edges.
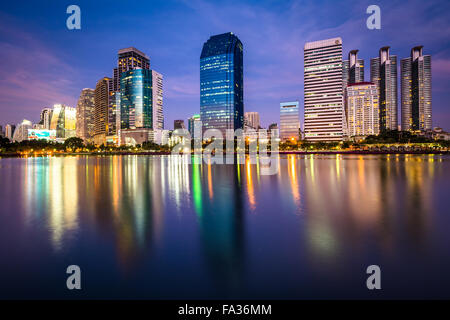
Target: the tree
(74, 143)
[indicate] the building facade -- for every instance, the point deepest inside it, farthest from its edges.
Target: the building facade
(415, 73)
(252, 120)
(45, 118)
(362, 109)
(63, 121)
(157, 101)
(383, 73)
(222, 83)
(289, 121)
(136, 99)
(194, 124)
(101, 110)
(128, 59)
(323, 90)
(178, 124)
(9, 131)
(352, 69)
(21, 131)
(85, 114)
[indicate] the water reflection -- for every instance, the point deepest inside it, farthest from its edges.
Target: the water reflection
(316, 212)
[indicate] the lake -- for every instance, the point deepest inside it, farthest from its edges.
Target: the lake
(157, 227)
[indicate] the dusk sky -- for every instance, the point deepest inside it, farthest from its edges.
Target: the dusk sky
(42, 62)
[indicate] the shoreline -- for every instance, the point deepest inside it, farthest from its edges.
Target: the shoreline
(158, 153)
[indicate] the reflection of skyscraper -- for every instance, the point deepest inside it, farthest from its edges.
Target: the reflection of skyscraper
(383, 72)
(289, 121)
(85, 114)
(101, 110)
(221, 83)
(416, 91)
(323, 90)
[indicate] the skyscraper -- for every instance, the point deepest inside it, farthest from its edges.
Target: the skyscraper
(416, 91)
(362, 109)
(289, 121)
(194, 123)
(352, 69)
(85, 114)
(21, 131)
(157, 101)
(323, 90)
(222, 83)
(45, 118)
(101, 110)
(251, 119)
(136, 99)
(383, 73)
(128, 59)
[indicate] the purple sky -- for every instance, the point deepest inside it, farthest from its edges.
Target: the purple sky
(42, 62)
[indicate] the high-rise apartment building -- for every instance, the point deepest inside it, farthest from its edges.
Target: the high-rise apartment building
(323, 90)
(383, 73)
(252, 120)
(415, 73)
(222, 83)
(289, 121)
(352, 69)
(102, 110)
(157, 101)
(85, 114)
(362, 109)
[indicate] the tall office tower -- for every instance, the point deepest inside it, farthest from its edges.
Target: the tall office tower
(45, 118)
(352, 69)
(416, 91)
(251, 119)
(222, 83)
(101, 110)
(362, 109)
(136, 99)
(9, 131)
(128, 59)
(85, 114)
(2, 134)
(323, 90)
(178, 124)
(383, 72)
(289, 121)
(157, 101)
(63, 121)
(194, 123)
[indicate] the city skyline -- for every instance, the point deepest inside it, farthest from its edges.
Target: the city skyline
(180, 66)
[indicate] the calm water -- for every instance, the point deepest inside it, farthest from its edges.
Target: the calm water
(157, 227)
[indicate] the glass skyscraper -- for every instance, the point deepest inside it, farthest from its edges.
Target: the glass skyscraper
(221, 83)
(136, 99)
(289, 121)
